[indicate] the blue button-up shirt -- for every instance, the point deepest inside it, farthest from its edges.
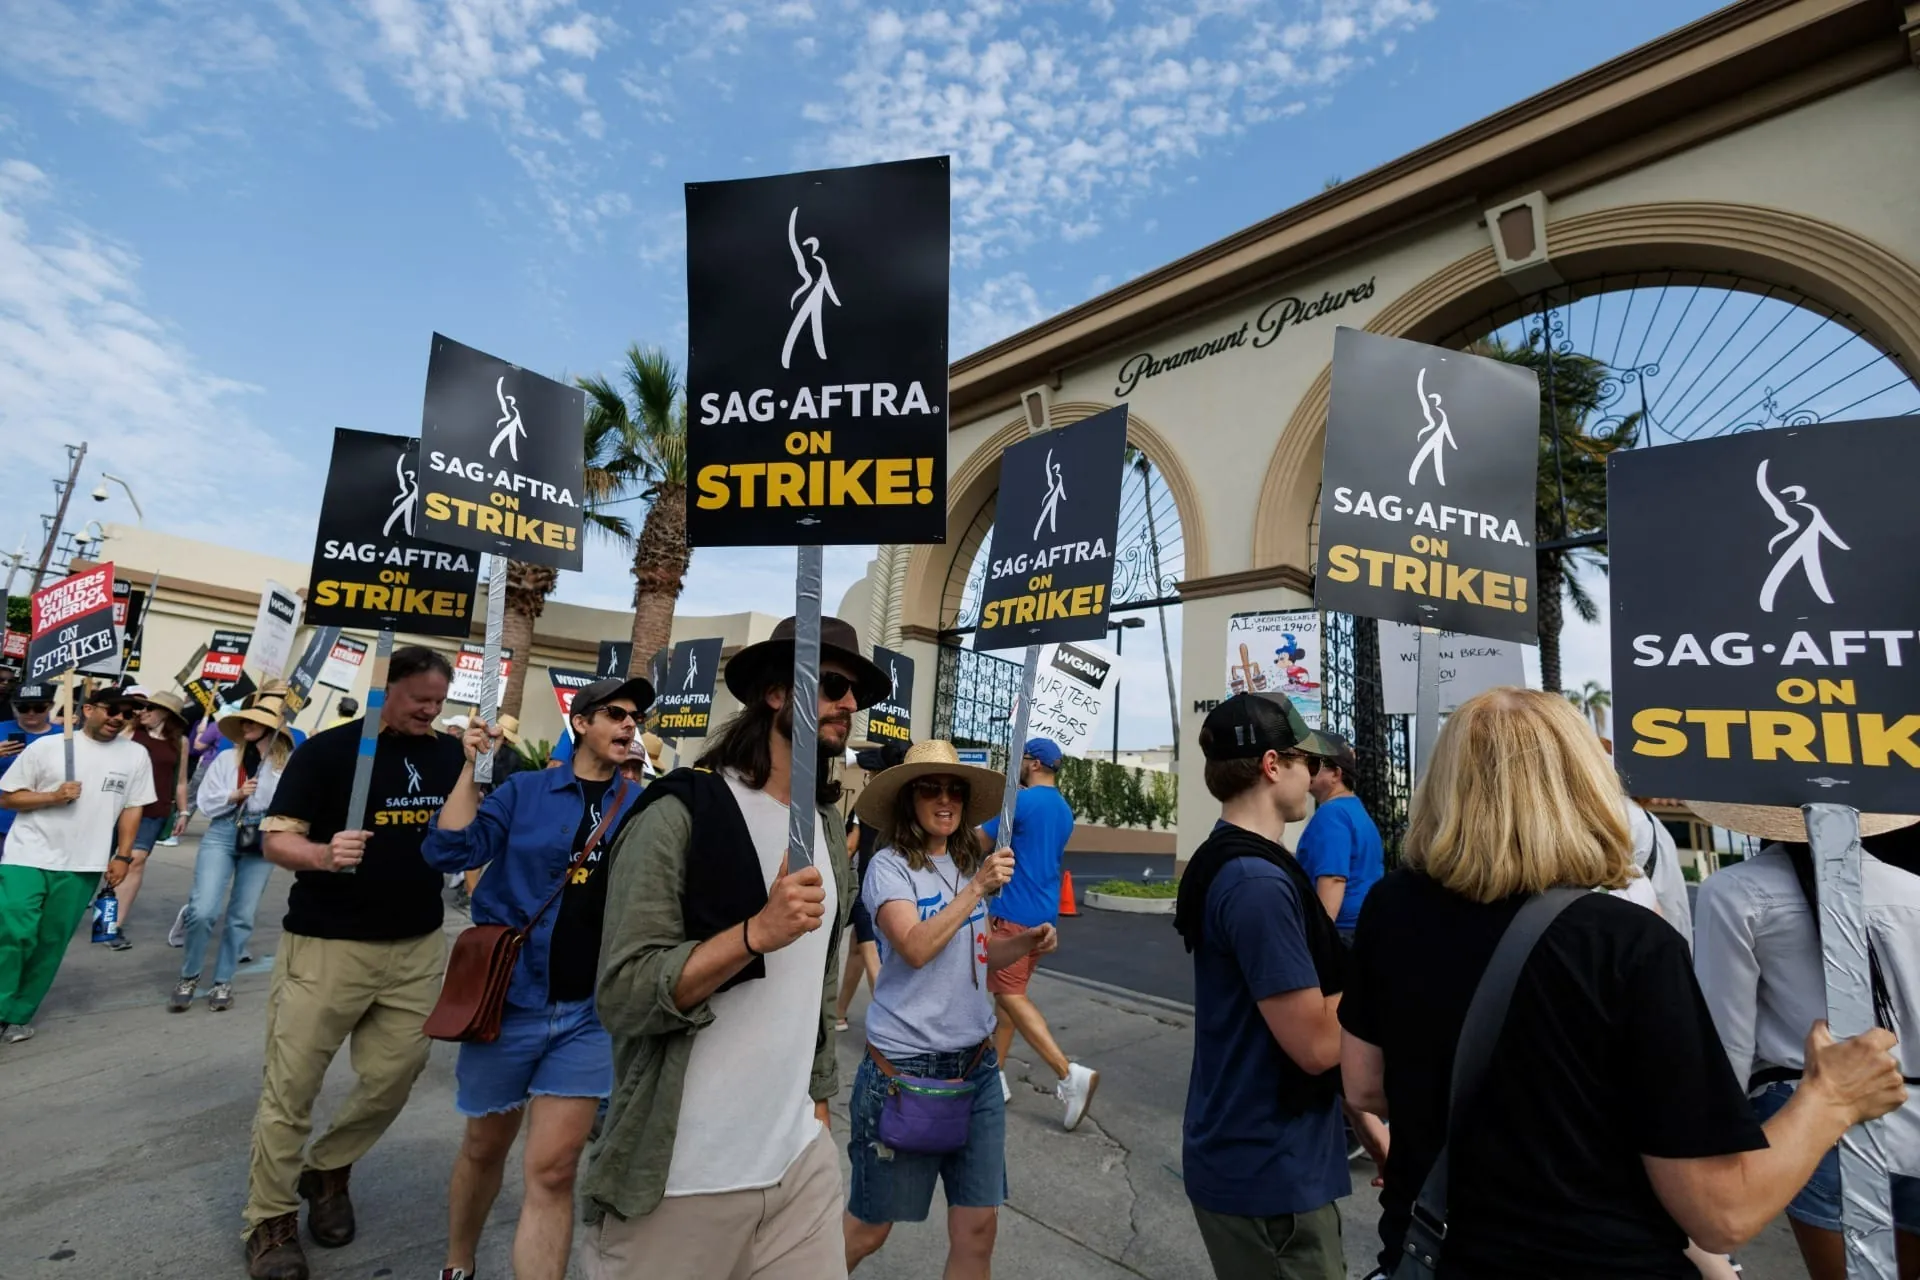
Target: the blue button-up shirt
(524, 835)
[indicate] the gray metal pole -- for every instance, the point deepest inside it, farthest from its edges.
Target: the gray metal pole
(801, 811)
(1166, 651)
(1119, 651)
(1018, 729)
(369, 735)
(1426, 724)
(60, 514)
(1866, 1190)
(490, 662)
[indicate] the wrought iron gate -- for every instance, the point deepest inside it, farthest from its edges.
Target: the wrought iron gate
(1351, 706)
(973, 701)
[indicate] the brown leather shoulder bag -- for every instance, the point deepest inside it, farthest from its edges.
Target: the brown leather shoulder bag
(474, 995)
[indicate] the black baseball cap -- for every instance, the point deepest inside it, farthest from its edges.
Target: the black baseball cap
(1342, 754)
(601, 692)
(33, 693)
(114, 693)
(1248, 725)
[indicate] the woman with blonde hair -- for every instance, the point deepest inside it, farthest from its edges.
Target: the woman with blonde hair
(230, 872)
(1607, 1126)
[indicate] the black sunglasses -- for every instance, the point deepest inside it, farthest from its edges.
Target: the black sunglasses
(934, 788)
(834, 686)
(33, 708)
(1312, 762)
(120, 710)
(619, 715)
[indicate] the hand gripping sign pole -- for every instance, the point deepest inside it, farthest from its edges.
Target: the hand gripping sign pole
(1866, 1191)
(801, 813)
(490, 664)
(369, 735)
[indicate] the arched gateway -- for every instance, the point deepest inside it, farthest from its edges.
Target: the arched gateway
(1755, 155)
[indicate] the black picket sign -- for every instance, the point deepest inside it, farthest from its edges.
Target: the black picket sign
(502, 469)
(73, 626)
(685, 696)
(1427, 488)
(891, 718)
(1050, 573)
(1764, 643)
(616, 658)
(817, 357)
(371, 569)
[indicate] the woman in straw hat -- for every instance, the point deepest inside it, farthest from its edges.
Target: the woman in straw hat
(161, 728)
(1607, 1128)
(932, 1016)
(1757, 951)
(229, 875)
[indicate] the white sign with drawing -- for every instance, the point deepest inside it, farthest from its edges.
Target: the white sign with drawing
(1277, 651)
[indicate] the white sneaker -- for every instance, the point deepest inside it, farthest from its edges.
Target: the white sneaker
(1006, 1090)
(177, 936)
(171, 842)
(1076, 1091)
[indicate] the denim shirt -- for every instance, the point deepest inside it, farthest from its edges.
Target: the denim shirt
(525, 830)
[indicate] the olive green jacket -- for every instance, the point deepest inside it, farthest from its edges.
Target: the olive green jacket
(643, 949)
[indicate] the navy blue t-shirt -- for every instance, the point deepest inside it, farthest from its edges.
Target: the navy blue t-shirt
(1341, 840)
(8, 728)
(1042, 823)
(1241, 1155)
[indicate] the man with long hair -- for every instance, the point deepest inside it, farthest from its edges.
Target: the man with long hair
(717, 980)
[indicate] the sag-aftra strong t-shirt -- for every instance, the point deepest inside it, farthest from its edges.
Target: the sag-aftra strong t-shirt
(394, 894)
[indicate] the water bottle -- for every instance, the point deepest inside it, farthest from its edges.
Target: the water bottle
(106, 917)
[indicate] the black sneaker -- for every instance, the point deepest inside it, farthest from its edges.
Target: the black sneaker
(120, 942)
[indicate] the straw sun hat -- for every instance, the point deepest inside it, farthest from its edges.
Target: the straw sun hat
(931, 759)
(233, 724)
(1779, 822)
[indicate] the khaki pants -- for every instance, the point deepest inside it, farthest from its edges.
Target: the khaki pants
(789, 1231)
(325, 991)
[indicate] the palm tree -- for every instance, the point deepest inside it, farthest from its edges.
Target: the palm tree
(611, 470)
(1578, 390)
(1592, 700)
(651, 416)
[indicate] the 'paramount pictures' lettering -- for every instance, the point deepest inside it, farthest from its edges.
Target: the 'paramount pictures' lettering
(1272, 321)
(817, 359)
(371, 569)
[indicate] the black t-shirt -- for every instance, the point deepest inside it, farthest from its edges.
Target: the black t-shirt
(1608, 1053)
(574, 959)
(394, 894)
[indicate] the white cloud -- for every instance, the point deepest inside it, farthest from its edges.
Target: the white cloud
(1001, 306)
(82, 359)
(1050, 126)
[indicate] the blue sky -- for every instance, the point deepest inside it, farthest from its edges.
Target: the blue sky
(226, 229)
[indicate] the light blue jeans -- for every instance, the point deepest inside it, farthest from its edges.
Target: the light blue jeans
(218, 867)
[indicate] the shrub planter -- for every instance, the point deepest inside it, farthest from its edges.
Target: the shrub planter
(1141, 906)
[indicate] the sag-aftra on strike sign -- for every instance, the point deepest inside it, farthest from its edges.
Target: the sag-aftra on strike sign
(817, 357)
(1766, 644)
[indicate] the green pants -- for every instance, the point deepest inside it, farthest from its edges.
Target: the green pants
(1291, 1246)
(39, 911)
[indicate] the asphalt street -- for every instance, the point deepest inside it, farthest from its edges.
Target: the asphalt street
(126, 1129)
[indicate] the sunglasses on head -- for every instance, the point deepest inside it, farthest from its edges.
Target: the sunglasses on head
(935, 788)
(834, 686)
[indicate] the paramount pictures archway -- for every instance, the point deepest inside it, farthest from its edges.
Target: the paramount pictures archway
(1649, 231)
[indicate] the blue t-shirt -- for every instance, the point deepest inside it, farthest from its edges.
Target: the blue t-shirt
(1341, 840)
(1042, 822)
(8, 727)
(1240, 1155)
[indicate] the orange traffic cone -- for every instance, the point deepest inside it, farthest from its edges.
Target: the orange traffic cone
(1066, 894)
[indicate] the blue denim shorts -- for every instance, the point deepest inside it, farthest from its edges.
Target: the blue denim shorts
(891, 1187)
(1818, 1204)
(559, 1049)
(149, 834)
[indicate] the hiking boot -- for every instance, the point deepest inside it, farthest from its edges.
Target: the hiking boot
(273, 1250)
(1076, 1091)
(182, 998)
(220, 999)
(329, 1210)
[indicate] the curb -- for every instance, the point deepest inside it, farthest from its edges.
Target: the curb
(1137, 906)
(1121, 993)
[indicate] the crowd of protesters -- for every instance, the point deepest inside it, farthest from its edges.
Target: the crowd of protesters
(673, 1010)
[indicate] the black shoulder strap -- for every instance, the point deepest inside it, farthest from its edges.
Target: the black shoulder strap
(1486, 1015)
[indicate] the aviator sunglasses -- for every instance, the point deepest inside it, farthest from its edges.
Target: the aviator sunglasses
(934, 788)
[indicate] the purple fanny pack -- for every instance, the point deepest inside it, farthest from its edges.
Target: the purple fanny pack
(923, 1116)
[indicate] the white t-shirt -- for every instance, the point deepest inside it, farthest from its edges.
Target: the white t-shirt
(746, 1113)
(113, 776)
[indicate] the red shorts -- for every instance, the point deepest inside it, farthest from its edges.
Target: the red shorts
(1012, 980)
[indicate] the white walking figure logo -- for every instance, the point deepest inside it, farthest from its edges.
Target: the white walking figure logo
(693, 668)
(893, 679)
(413, 777)
(512, 430)
(403, 501)
(1804, 550)
(819, 291)
(1436, 434)
(1050, 506)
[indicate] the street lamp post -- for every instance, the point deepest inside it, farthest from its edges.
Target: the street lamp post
(1120, 630)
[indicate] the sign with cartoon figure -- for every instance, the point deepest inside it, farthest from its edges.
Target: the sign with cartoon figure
(684, 694)
(1055, 527)
(1427, 488)
(1277, 651)
(371, 567)
(501, 448)
(1764, 642)
(817, 357)
(891, 718)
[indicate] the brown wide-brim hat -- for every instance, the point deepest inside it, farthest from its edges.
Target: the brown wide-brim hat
(758, 666)
(1782, 823)
(935, 758)
(171, 703)
(232, 725)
